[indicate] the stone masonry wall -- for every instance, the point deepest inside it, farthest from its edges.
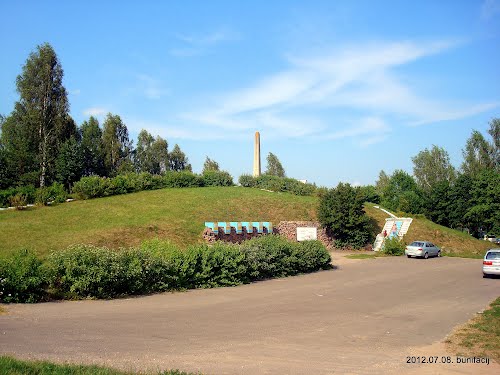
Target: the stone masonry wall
(286, 229)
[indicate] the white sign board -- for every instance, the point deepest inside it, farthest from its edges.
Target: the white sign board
(307, 233)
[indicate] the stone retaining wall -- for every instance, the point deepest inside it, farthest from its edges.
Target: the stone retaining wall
(286, 229)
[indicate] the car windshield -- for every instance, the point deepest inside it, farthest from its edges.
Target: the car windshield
(417, 244)
(493, 255)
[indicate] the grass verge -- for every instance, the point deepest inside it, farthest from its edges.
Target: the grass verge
(361, 256)
(479, 337)
(12, 366)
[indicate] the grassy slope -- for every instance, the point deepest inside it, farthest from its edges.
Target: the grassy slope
(178, 215)
(126, 220)
(452, 242)
(480, 336)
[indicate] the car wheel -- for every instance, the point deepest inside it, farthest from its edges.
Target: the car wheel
(439, 253)
(485, 276)
(426, 255)
(409, 256)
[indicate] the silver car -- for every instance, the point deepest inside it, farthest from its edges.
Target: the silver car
(424, 249)
(491, 263)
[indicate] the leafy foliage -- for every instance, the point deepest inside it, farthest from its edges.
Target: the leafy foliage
(116, 144)
(431, 167)
(394, 246)
(151, 155)
(278, 184)
(86, 271)
(210, 165)
(217, 178)
(341, 212)
(22, 278)
(178, 160)
(274, 167)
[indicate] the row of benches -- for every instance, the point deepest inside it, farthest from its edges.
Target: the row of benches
(239, 225)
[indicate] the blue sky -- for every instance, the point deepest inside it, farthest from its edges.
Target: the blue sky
(338, 89)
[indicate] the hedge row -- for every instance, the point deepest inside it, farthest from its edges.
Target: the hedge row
(278, 184)
(85, 271)
(95, 186)
(21, 196)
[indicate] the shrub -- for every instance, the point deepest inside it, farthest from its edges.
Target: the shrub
(394, 246)
(28, 192)
(22, 278)
(86, 271)
(274, 256)
(89, 187)
(18, 201)
(312, 256)
(246, 180)
(182, 179)
(277, 184)
(5, 196)
(217, 178)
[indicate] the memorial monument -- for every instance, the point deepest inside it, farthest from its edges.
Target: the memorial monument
(256, 155)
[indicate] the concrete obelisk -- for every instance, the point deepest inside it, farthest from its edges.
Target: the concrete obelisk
(256, 155)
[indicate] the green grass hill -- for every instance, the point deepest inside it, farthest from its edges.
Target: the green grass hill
(179, 215)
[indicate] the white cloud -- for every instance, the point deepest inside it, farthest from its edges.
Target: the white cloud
(358, 78)
(150, 87)
(489, 9)
(193, 45)
(95, 111)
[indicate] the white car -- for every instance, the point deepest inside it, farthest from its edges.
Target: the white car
(424, 249)
(491, 263)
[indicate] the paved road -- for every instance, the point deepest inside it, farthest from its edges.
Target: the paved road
(363, 318)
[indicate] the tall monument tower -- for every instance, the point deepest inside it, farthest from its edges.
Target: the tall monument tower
(256, 155)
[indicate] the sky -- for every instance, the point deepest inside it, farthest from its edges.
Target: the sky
(339, 90)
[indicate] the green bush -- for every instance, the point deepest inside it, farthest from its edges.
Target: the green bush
(22, 278)
(246, 180)
(217, 178)
(182, 179)
(18, 201)
(86, 271)
(89, 187)
(28, 192)
(278, 184)
(274, 256)
(394, 246)
(5, 197)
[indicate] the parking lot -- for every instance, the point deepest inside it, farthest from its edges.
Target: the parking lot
(365, 317)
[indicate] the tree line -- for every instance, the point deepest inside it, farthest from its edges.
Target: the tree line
(40, 143)
(467, 198)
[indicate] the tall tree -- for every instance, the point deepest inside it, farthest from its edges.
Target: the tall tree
(70, 163)
(151, 155)
(494, 132)
(478, 155)
(92, 148)
(210, 165)
(116, 144)
(431, 167)
(42, 109)
(341, 212)
(274, 167)
(382, 182)
(178, 160)
(402, 193)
